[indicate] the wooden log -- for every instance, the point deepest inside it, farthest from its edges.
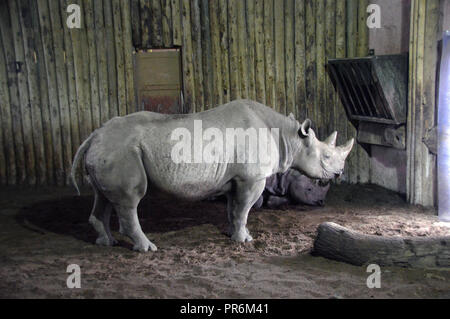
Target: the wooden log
(269, 53)
(120, 62)
(260, 85)
(206, 55)
(280, 70)
(216, 54)
(102, 57)
(243, 46)
(339, 243)
(310, 73)
(166, 24)
(30, 53)
(128, 56)
(24, 98)
(111, 57)
(6, 118)
(188, 70)
(176, 22)
(224, 46)
(197, 55)
(250, 11)
(233, 50)
(146, 22)
(300, 60)
(289, 41)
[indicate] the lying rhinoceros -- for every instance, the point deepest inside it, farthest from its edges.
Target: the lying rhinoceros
(127, 153)
(292, 187)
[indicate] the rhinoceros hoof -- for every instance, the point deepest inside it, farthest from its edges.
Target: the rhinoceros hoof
(242, 237)
(144, 247)
(105, 241)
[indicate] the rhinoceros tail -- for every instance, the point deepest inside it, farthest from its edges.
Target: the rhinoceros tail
(80, 152)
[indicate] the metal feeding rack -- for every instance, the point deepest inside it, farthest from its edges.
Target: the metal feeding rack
(373, 91)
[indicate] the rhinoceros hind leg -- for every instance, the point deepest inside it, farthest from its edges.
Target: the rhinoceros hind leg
(130, 226)
(239, 203)
(99, 219)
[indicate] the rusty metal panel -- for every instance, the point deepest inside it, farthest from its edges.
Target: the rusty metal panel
(158, 80)
(372, 89)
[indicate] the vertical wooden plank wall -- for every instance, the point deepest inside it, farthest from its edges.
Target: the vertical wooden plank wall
(424, 35)
(72, 80)
(58, 84)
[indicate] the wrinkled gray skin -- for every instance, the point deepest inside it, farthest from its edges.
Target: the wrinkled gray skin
(127, 153)
(292, 187)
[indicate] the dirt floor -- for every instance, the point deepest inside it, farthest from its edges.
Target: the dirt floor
(42, 231)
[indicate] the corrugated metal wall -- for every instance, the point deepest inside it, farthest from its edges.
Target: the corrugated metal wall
(67, 82)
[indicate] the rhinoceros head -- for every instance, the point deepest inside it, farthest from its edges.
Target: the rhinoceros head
(321, 160)
(309, 191)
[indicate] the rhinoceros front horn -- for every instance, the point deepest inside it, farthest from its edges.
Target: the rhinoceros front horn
(346, 148)
(331, 140)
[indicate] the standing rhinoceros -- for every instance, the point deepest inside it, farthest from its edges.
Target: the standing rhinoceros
(293, 187)
(128, 153)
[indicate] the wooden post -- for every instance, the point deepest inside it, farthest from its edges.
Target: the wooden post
(206, 55)
(135, 14)
(216, 54)
(233, 50)
(93, 66)
(321, 108)
(243, 47)
(197, 55)
(166, 23)
(145, 22)
(23, 93)
(251, 62)
(224, 46)
(111, 56)
(310, 74)
(176, 22)
(300, 56)
(289, 41)
(29, 47)
(280, 71)
(5, 111)
(260, 85)
(330, 52)
(128, 56)
(156, 25)
(269, 52)
(189, 84)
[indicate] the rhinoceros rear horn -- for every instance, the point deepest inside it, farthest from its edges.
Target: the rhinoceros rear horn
(346, 148)
(304, 128)
(331, 140)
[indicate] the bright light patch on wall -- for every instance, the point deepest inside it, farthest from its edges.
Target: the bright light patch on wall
(443, 157)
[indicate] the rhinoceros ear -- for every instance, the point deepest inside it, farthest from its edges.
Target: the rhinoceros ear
(304, 128)
(292, 116)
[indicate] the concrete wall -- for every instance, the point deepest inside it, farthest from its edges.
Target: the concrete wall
(388, 165)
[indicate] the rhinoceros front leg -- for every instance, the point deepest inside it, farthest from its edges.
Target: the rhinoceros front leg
(239, 204)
